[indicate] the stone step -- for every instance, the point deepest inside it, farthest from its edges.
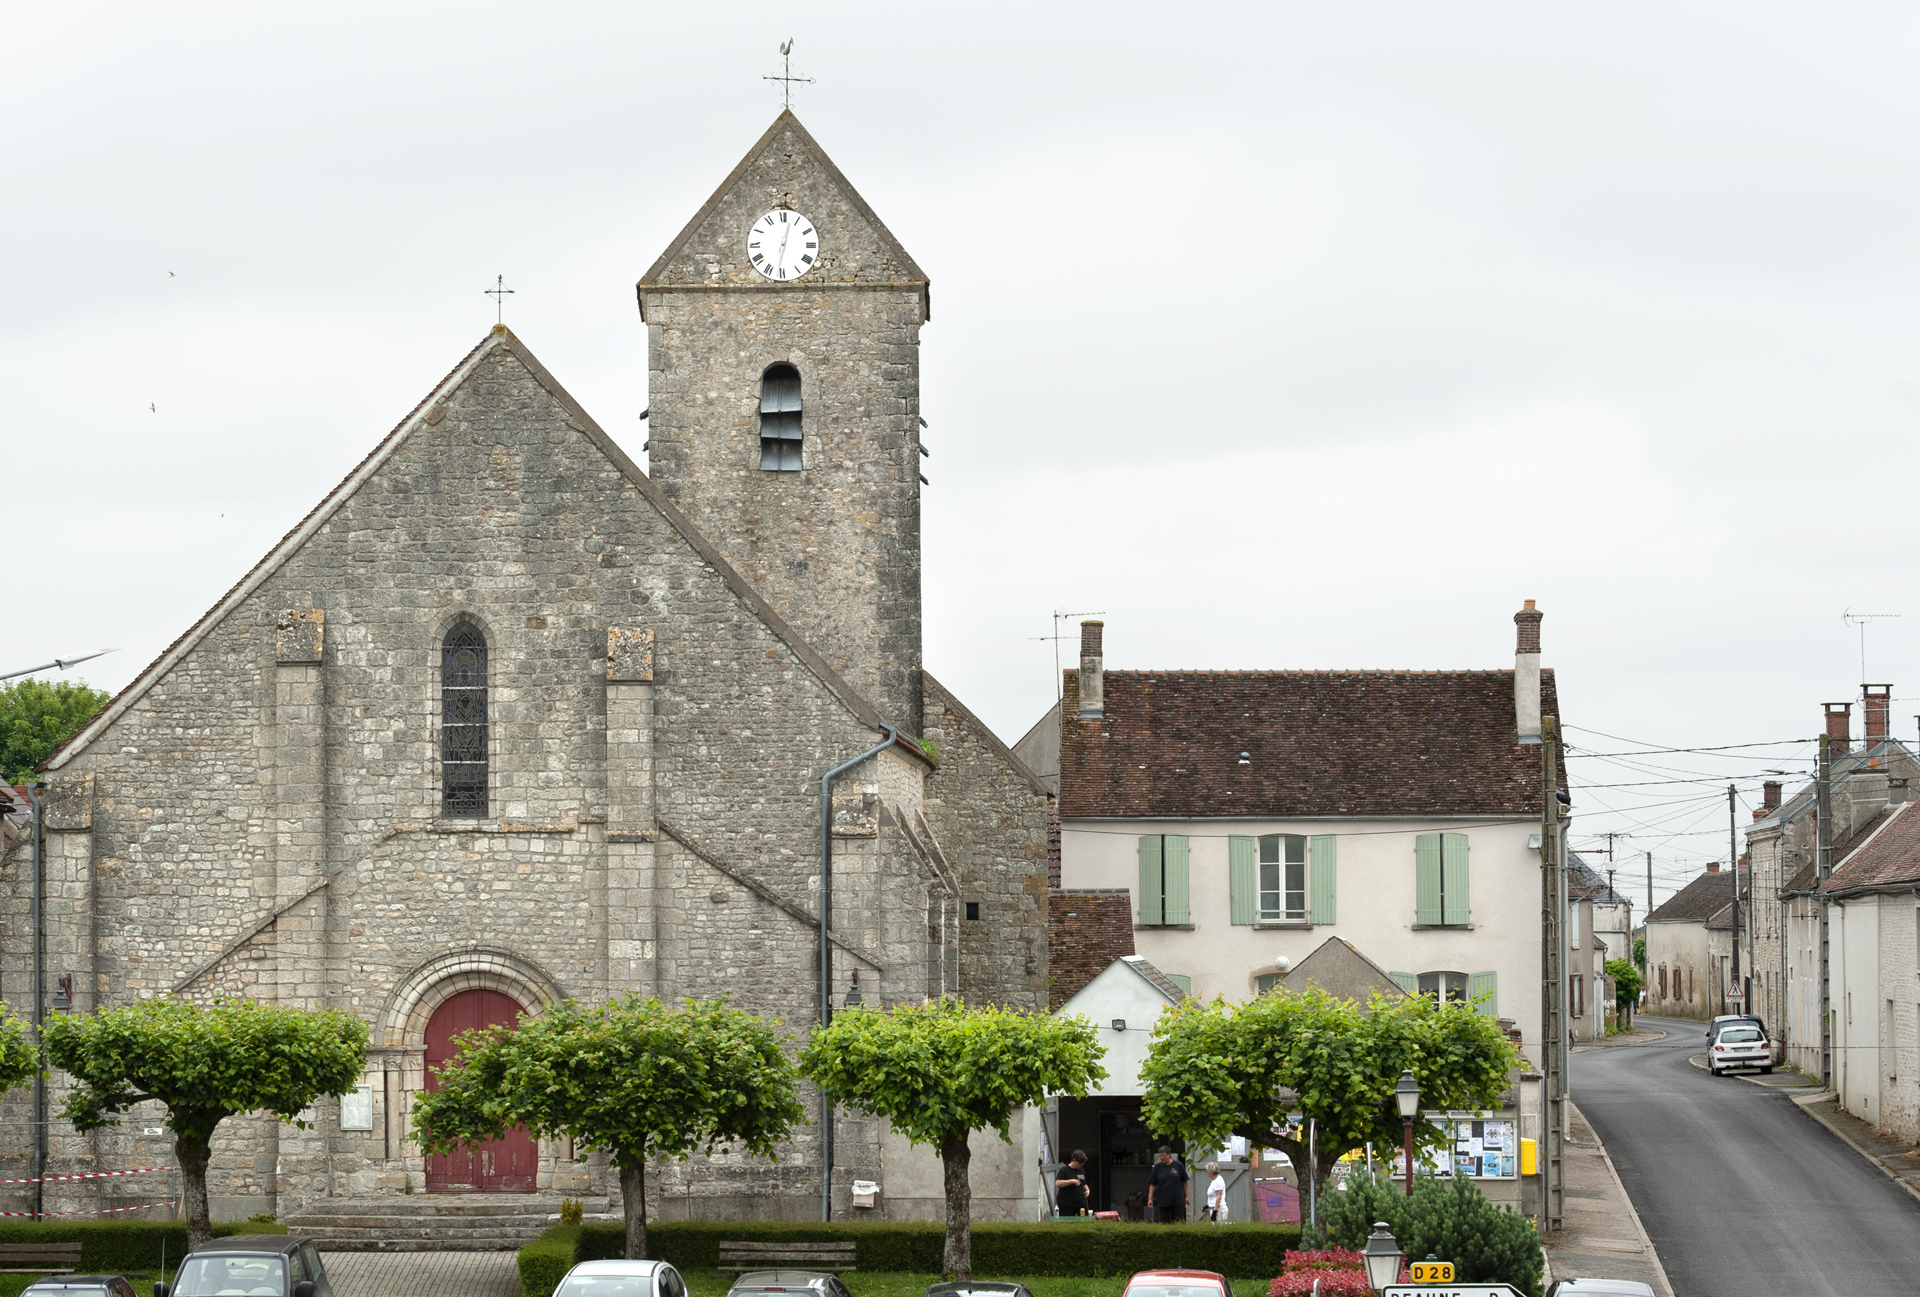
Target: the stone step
(429, 1223)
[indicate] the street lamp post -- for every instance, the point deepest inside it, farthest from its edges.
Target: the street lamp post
(1406, 1093)
(1382, 1256)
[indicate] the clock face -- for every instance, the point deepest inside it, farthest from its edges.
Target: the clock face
(783, 245)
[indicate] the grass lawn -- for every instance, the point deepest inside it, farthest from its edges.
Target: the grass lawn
(912, 1285)
(11, 1285)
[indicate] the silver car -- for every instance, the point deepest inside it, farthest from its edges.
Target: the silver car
(622, 1279)
(1740, 1044)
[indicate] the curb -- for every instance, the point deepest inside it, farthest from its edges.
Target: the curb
(1632, 1211)
(1806, 1105)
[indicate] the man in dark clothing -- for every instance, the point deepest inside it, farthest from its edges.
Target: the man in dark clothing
(1167, 1189)
(1070, 1186)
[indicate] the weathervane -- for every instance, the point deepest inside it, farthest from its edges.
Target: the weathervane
(786, 78)
(499, 293)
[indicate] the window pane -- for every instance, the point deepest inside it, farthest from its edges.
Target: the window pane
(463, 723)
(1269, 889)
(1296, 848)
(1296, 885)
(1270, 849)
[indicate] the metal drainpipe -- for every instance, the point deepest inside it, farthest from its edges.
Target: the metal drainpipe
(826, 951)
(39, 1001)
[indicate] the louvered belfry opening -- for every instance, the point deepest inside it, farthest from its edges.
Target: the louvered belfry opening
(463, 723)
(780, 419)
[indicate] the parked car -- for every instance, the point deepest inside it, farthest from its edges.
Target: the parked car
(1713, 1028)
(1599, 1288)
(622, 1279)
(801, 1283)
(256, 1265)
(82, 1285)
(1178, 1283)
(1740, 1044)
(977, 1288)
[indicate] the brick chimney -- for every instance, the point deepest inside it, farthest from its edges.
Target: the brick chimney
(1713, 866)
(1526, 674)
(1093, 673)
(1839, 725)
(1879, 713)
(1769, 799)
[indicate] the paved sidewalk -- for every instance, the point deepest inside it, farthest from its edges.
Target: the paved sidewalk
(1899, 1160)
(422, 1274)
(1603, 1238)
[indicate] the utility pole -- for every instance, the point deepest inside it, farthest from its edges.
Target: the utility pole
(1553, 1041)
(1733, 866)
(1822, 862)
(1649, 882)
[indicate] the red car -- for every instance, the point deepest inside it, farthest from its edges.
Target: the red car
(1178, 1283)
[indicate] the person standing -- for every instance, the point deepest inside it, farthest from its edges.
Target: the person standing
(1167, 1189)
(1216, 1194)
(1070, 1186)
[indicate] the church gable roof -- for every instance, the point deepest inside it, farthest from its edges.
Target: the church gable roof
(786, 168)
(428, 412)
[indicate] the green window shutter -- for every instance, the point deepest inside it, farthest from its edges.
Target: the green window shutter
(1240, 869)
(1181, 980)
(1176, 876)
(1484, 984)
(1426, 878)
(1151, 881)
(1453, 876)
(1406, 982)
(1323, 889)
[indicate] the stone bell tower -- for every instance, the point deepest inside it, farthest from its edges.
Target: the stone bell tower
(783, 339)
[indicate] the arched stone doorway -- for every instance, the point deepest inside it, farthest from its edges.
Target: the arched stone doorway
(508, 1165)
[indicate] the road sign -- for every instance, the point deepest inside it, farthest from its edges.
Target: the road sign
(1432, 1271)
(1451, 1290)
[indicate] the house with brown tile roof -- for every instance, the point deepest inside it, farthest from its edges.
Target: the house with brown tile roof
(1252, 815)
(1599, 927)
(1872, 896)
(1686, 977)
(1869, 776)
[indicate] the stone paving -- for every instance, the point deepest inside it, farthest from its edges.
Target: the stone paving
(422, 1274)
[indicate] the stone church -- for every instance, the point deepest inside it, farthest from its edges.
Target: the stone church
(506, 720)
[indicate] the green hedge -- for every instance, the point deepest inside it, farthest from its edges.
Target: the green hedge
(1095, 1249)
(121, 1245)
(545, 1261)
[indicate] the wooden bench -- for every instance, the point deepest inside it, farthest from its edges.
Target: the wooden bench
(831, 1258)
(39, 1258)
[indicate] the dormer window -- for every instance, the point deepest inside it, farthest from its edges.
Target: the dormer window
(780, 419)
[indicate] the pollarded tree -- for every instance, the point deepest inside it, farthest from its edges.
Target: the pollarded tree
(1218, 1069)
(635, 1078)
(19, 1060)
(938, 1072)
(205, 1064)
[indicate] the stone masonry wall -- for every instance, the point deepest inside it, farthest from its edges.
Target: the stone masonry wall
(501, 512)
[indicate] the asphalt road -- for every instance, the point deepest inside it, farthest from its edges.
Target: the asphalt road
(1743, 1193)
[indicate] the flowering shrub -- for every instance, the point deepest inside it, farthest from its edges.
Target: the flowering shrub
(1333, 1283)
(1339, 1271)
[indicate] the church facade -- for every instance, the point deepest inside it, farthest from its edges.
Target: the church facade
(506, 720)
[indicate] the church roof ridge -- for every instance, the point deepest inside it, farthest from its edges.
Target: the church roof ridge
(498, 336)
(786, 119)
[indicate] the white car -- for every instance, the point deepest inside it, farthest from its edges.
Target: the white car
(1740, 1044)
(622, 1279)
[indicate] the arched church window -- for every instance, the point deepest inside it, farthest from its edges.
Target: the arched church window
(463, 723)
(780, 419)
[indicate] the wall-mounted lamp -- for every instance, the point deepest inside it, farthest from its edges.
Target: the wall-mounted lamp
(1119, 1024)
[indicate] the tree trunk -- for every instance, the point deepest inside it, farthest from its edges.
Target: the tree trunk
(954, 1157)
(633, 1197)
(194, 1153)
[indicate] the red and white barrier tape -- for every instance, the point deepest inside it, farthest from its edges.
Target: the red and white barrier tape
(97, 1211)
(90, 1175)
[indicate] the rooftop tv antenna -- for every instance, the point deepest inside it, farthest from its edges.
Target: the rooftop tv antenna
(1861, 619)
(1056, 637)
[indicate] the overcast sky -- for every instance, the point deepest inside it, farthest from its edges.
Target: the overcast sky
(1282, 335)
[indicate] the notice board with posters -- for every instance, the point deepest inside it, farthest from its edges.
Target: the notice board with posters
(1481, 1145)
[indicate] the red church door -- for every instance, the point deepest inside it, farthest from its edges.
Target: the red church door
(504, 1165)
